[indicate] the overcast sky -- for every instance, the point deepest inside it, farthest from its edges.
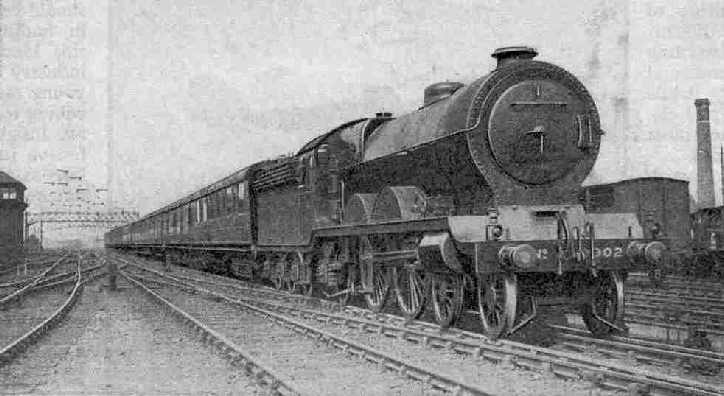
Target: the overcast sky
(206, 87)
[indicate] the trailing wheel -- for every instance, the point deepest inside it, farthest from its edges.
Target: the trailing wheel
(497, 298)
(411, 291)
(603, 314)
(447, 297)
(375, 279)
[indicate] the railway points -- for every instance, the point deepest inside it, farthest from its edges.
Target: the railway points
(120, 343)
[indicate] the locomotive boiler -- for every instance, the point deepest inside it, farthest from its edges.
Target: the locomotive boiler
(471, 201)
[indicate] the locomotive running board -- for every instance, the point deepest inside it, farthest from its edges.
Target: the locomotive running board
(390, 227)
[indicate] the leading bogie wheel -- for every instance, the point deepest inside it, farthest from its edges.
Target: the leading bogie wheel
(606, 305)
(375, 279)
(447, 297)
(411, 291)
(497, 299)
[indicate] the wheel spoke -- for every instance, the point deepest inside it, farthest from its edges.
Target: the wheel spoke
(410, 290)
(380, 278)
(497, 297)
(606, 305)
(447, 298)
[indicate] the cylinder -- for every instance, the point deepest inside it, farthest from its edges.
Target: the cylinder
(705, 176)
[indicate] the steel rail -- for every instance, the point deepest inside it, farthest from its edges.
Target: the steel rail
(254, 368)
(673, 319)
(68, 274)
(649, 351)
(673, 300)
(563, 364)
(18, 267)
(646, 320)
(15, 295)
(675, 280)
(405, 369)
(673, 311)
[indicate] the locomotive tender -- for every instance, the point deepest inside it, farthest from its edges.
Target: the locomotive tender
(472, 200)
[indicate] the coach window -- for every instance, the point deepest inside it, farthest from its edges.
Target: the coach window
(231, 200)
(218, 204)
(211, 204)
(190, 211)
(242, 196)
(181, 220)
(222, 202)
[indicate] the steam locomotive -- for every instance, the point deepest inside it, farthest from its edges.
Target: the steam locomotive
(470, 201)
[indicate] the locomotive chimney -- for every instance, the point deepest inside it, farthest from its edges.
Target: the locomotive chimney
(508, 55)
(705, 177)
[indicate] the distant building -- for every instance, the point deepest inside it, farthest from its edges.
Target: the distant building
(12, 216)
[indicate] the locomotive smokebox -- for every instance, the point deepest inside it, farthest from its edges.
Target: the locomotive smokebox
(439, 91)
(705, 182)
(508, 55)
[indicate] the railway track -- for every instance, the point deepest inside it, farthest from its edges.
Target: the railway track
(29, 268)
(31, 311)
(301, 366)
(667, 358)
(675, 300)
(614, 375)
(13, 290)
(678, 286)
(666, 316)
(32, 317)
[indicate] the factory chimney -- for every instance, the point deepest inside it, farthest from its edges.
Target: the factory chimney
(705, 177)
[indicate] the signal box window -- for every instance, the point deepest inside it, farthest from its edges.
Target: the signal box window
(8, 193)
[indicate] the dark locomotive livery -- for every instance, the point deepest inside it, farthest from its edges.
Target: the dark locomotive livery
(472, 200)
(12, 217)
